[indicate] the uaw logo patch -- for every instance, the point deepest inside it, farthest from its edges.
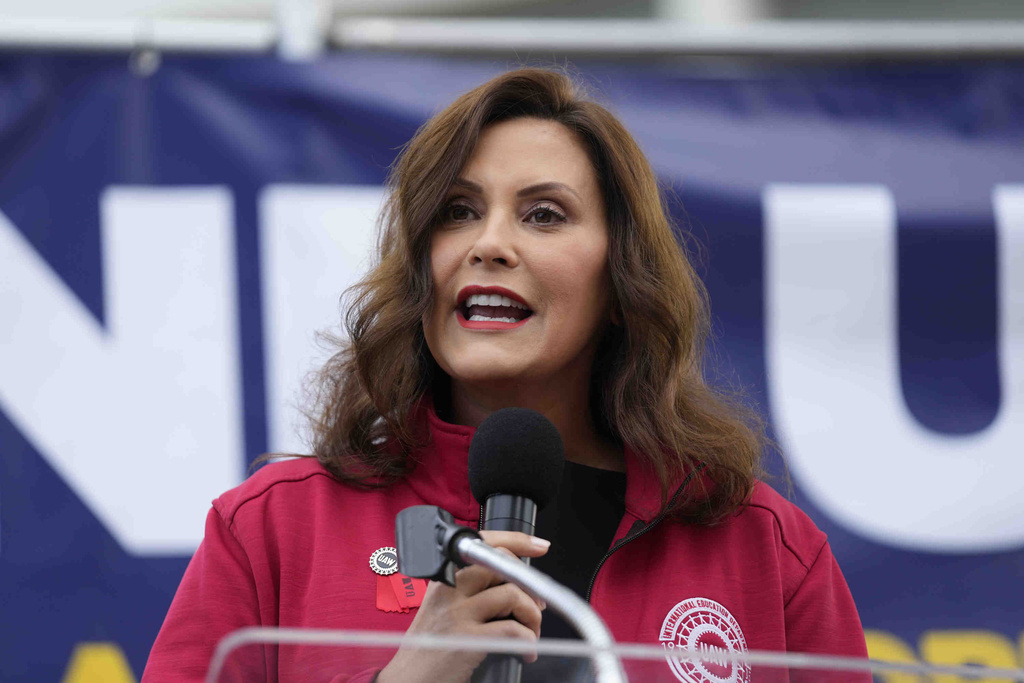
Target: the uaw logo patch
(384, 561)
(704, 627)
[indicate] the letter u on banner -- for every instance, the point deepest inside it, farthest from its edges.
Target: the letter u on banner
(849, 439)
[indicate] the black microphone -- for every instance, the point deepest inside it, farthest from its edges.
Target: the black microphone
(516, 460)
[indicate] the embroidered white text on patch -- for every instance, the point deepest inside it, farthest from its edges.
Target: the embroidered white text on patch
(706, 627)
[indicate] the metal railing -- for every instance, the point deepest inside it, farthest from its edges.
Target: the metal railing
(610, 37)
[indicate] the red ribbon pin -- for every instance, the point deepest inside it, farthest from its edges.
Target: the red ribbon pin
(395, 592)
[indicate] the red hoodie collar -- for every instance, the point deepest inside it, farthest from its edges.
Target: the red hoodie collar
(441, 472)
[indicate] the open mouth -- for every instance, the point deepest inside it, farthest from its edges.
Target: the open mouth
(493, 308)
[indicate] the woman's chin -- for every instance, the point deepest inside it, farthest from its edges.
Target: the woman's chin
(487, 372)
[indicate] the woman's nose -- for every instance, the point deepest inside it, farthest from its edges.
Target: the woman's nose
(496, 241)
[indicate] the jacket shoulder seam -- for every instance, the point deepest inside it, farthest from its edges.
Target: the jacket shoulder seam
(785, 541)
(816, 558)
(259, 492)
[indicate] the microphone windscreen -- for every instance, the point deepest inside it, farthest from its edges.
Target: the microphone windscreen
(519, 452)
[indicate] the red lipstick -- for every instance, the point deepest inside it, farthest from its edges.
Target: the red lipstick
(469, 291)
(488, 324)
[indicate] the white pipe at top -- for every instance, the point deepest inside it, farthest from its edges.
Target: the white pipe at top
(715, 11)
(303, 26)
(201, 35)
(789, 38)
(301, 34)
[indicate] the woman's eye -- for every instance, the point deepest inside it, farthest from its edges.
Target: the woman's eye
(542, 215)
(546, 215)
(458, 212)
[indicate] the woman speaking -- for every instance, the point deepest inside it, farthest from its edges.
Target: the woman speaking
(525, 259)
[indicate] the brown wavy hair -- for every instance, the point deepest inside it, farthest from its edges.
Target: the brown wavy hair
(648, 388)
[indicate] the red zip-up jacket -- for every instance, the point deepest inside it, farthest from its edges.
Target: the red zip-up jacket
(291, 547)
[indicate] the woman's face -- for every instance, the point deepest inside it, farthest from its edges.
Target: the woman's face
(525, 215)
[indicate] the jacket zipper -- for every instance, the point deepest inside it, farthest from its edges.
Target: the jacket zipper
(629, 536)
(640, 532)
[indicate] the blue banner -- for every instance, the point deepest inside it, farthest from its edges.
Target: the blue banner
(169, 244)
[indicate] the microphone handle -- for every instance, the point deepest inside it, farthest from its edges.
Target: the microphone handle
(504, 512)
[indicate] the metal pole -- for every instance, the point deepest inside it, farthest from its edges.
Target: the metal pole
(562, 600)
(637, 38)
(609, 37)
(178, 35)
(304, 25)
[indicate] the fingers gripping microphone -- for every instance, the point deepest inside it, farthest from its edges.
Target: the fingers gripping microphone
(516, 459)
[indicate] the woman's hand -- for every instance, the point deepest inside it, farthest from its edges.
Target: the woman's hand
(477, 606)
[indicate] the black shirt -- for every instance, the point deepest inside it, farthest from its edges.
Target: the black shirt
(581, 524)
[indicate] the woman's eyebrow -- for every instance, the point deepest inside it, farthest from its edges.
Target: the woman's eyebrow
(532, 189)
(547, 187)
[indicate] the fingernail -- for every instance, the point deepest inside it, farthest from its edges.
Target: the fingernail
(540, 543)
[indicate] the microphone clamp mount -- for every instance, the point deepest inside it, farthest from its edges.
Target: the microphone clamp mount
(427, 538)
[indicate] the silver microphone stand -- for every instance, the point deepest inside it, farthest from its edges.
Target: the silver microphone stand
(565, 602)
(430, 545)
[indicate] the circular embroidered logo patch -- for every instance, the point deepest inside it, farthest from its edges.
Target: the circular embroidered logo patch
(706, 627)
(384, 561)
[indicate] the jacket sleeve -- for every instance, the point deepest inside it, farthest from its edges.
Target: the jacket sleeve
(821, 618)
(216, 596)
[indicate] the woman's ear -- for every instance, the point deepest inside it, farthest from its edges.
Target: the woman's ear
(616, 316)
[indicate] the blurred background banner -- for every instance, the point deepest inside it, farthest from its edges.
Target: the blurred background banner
(174, 229)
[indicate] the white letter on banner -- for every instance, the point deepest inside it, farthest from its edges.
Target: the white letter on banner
(833, 377)
(142, 419)
(315, 242)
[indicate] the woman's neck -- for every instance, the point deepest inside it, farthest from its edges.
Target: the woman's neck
(568, 411)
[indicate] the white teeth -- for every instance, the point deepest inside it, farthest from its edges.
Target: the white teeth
(493, 300)
(484, 318)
